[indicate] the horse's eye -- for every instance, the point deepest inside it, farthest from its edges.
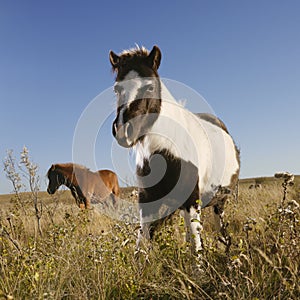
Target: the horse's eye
(150, 88)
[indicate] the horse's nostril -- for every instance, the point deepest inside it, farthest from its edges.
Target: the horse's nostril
(123, 133)
(114, 129)
(128, 130)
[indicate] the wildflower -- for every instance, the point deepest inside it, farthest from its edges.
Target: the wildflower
(286, 176)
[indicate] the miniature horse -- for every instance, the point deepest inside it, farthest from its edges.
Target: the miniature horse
(183, 160)
(83, 183)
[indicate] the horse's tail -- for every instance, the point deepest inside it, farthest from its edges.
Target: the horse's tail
(116, 188)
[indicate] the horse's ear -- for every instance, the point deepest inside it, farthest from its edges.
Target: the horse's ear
(154, 58)
(114, 59)
(51, 169)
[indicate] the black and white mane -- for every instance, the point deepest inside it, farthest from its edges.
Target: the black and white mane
(183, 160)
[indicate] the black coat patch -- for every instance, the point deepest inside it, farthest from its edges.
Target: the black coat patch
(165, 180)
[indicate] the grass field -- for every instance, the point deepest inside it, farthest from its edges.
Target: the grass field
(87, 255)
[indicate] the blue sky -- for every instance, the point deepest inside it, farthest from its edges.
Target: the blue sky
(241, 56)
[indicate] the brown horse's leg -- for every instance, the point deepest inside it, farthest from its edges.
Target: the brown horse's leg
(81, 203)
(87, 202)
(78, 199)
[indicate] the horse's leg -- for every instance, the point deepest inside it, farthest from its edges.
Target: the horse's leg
(78, 201)
(193, 226)
(220, 225)
(218, 210)
(149, 221)
(144, 230)
(148, 229)
(81, 203)
(143, 233)
(87, 202)
(184, 213)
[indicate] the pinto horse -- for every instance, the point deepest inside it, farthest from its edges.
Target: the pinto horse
(183, 160)
(83, 183)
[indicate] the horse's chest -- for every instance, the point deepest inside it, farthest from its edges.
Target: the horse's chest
(164, 177)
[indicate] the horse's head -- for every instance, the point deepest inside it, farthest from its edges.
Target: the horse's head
(55, 180)
(138, 92)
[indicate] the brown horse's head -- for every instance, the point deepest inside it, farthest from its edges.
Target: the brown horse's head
(56, 179)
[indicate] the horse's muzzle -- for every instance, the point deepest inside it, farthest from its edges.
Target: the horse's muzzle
(123, 134)
(50, 191)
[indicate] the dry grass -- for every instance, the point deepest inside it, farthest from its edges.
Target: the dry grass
(85, 255)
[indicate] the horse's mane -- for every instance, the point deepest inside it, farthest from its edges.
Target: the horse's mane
(137, 51)
(70, 171)
(67, 166)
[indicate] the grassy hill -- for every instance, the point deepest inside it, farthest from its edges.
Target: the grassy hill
(88, 255)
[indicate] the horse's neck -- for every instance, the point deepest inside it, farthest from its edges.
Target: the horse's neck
(166, 95)
(175, 124)
(173, 131)
(172, 110)
(68, 174)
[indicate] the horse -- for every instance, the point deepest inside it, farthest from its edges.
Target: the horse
(84, 184)
(183, 160)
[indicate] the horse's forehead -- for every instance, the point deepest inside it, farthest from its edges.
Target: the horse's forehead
(133, 79)
(137, 67)
(132, 74)
(131, 86)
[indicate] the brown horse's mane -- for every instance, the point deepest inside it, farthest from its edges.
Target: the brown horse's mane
(71, 166)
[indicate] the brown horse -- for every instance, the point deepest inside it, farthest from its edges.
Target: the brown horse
(83, 183)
